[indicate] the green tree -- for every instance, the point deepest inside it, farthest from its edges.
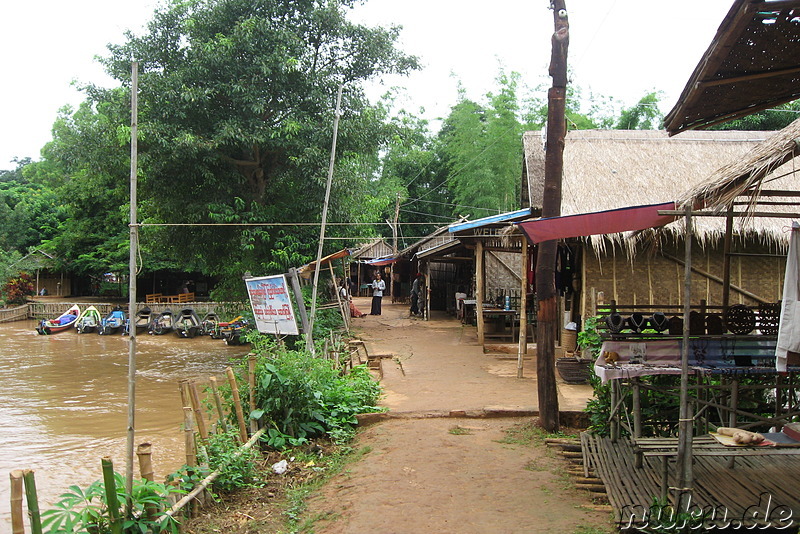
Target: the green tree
(775, 118)
(29, 212)
(645, 115)
(236, 103)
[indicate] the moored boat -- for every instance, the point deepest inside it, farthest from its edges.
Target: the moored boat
(113, 322)
(186, 323)
(143, 318)
(63, 322)
(161, 323)
(88, 321)
(208, 324)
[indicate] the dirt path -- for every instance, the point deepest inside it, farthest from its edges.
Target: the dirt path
(429, 470)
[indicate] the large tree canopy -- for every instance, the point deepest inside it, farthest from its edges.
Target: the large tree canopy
(236, 103)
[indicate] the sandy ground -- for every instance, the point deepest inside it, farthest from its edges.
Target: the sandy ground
(430, 469)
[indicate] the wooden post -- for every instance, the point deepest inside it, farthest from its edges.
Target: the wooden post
(218, 403)
(479, 290)
(144, 452)
(17, 517)
(33, 501)
(298, 297)
(523, 307)
(198, 411)
(251, 382)
(726, 262)
(188, 436)
(547, 316)
(237, 403)
(344, 309)
(683, 462)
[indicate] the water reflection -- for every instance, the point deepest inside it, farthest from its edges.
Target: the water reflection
(63, 402)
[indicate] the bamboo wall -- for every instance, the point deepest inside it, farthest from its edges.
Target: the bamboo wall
(653, 279)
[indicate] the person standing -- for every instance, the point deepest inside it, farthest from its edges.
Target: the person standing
(378, 287)
(416, 286)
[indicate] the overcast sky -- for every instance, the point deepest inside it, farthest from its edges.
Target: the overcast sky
(618, 48)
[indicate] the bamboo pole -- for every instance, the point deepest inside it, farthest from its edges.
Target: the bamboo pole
(237, 403)
(523, 312)
(33, 501)
(479, 290)
(144, 452)
(211, 477)
(112, 503)
(337, 113)
(251, 381)
(17, 518)
(198, 411)
(218, 402)
(188, 436)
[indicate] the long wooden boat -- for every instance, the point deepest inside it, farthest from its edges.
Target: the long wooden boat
(63, 322)
(143, 318)
(88, 321)
(113, 322)
(208, 324)
(162, 323)
(186, 324)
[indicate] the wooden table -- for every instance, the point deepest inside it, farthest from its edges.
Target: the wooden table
(506, 318)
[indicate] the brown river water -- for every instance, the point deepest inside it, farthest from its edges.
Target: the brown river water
(63, 403)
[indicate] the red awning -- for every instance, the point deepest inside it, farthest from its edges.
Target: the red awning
(601, 222)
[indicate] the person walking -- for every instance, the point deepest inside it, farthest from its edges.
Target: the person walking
(378, 287)
(416, 286)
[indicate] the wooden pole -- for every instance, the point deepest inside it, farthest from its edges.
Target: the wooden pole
(251, 383)
(198, 411)
(726, 262)
(344, 308)
(298, 298)
(237, 403)
(683, 462)
(479, 290)
(144, 452)
(547, 316)
(188, 436)
(523, 305)
(17, 517)
(32, 499)
(218, 402)
(132, 270)
(112, 503)
(309, 335)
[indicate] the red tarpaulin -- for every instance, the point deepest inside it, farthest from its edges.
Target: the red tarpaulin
(601, 222)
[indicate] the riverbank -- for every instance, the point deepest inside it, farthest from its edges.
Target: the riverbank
(438, 462)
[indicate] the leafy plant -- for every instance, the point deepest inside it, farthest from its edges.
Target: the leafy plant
(17, 288)
(589, 340)
(87, 510)
(237, 468)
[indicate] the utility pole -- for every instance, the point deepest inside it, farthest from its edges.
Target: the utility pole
(394, 243)
(547, 315)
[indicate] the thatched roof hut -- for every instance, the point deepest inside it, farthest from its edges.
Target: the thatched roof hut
(612, 169)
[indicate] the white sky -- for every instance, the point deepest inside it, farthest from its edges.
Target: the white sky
(618, 48)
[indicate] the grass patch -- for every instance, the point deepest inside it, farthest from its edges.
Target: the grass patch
(459, 431)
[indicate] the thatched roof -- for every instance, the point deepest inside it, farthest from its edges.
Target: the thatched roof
(752, 63)
(768, 167)
(612, 169)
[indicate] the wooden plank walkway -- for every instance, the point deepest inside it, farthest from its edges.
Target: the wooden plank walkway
(747, 485)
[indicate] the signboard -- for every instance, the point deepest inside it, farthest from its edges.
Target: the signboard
(272, 305)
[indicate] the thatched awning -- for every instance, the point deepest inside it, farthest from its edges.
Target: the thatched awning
(752, 64)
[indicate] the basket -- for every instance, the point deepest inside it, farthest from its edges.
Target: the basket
(569, 340)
